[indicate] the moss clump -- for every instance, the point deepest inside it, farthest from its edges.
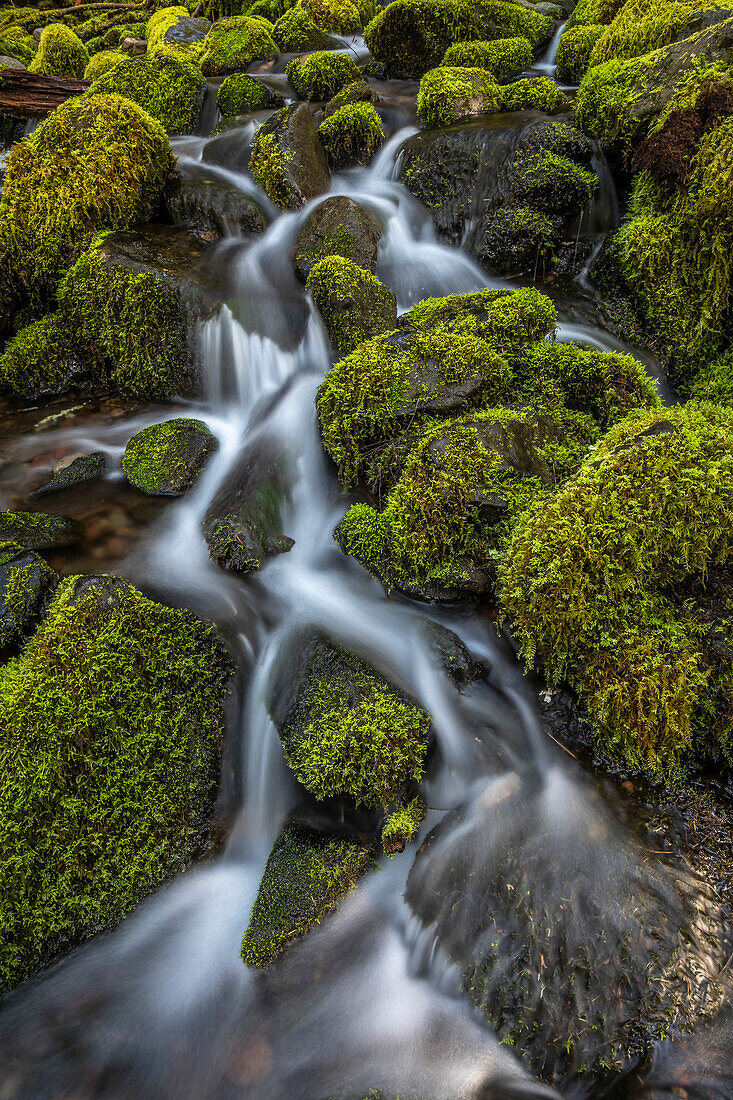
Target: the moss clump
(240, 94)
(233, 44)
(307, 874)
(60, 53)
(353, 303)
(14, 42)
(111, 721)
(539, 94)
(295, 32)
(447, 95)
(590, 12)
(166, 459)
(38, 359)
(101, 63)
(550, 181)
(169, 89)
(586, 580)
(402, 825)
(95, 161)
(574, 51)
(516, 239)
(338, 16)
(714, 382)
(351, 135)
(503, 58)
(320, 75)
(641, 26)
(161, 22)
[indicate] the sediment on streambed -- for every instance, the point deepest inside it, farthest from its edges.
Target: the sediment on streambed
(366, 489)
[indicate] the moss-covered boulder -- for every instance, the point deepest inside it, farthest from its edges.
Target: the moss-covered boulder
(359, 91)
(240, 94)
(307, 874)
(353, 303)
(60, 53)
(233, 44)
(111, 724)
(518, 239)
(574, 52)
(212, 208)
(295, 32)
(39, 359)
(320, 75)
(287, 159)
(15, 43)
(448, 95)
(174, 27)
(535, 94)
(339, 16)
(168, 88)
(351, 135)
(166, 459)
(26, 586)
(79, 471)
(503, 58)
(96, 161)
(337, 227)
(38, 530)
(102, 62)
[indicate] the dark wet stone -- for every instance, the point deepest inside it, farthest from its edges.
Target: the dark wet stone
(453, 655)
(297, 154)
(187, 31)
(83, 468)
(212, 208)
(166, 459)
(231, 146)
(27, 584)
(337, 227)
(39, 530)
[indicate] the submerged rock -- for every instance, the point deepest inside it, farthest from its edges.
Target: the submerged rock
(166, 459)
(81, 469)
(39, 530)
(287, 159)
(26, 586)
(337, 227)
(212, 208)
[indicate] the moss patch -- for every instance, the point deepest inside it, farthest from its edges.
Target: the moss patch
(233, 44)
(538, 94)
(351, 135)
(447, 95)
(353, 303)
(166, 459)
(239, 94)
(503, 58)
(402, 825)
(574, 51)
(320, 75)
(60, 53)
(38, 360)
(168, 88)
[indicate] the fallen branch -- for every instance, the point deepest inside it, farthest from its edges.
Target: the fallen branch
(23, 93)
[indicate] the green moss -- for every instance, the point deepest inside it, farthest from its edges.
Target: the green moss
(14, 42)
(306, 875)
(96, 161)
(26, 583)
(38, 359)
(351, 135)
(714, 382)
(574, 51)
(161, 22)
(586, 579)
(111, 720)
(295, 32)
(506, 319)
(447, 95)
(336, 16)
(537, 93)
(550, 181)
(60, 53)
(590, 12)
(353, 303)
(240, 94)
(503, 58)
(165, 459)
(641, 26)
(269, 168)
(320, 75)
(130, 329)
(169, 89)
(233, 44)
(402, 825)
(517, 238)
(102, 62)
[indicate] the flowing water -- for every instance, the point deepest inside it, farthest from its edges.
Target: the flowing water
(162, 1006)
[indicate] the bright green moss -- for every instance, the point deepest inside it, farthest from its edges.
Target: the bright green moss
(110, 724)
(538, 93)
(161, 22)
(239, 94)
(165, 459)
(60, 53)
(320, 75)
(26, 583)
(503, 58)
(96, 161)
(714, 382)
(102, 62)
(447, 95)
(14, 42)
(551, 182)
(269, 168)
(574, 51)
(506, 319)
(169, 89)
(37, 360)
(402, 825)
(594, 12)
(641, 26)
(295, 32)
(337, 16)
(351, 135)
(586, 579)
(353, 303)
(307, 874)
(233, 44)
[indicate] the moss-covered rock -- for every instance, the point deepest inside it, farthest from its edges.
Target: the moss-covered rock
(233, 44)
(351, 135)
(641, 26)
(295, 32)
(320, 75)
(337, 227)
(287, 159)
(537, 93)
(574, 50)
(39, 530)
(39, 359)
(339, 16)
(307, 874)
(14, 42)
(240, 94)
(359, 91)
(102, 62)
(653, 504)
(168, 88)
(174, 29)
(26, 586)
(448, 95)
(79, 471)
(111, 722)
(401, 826)
(96, 161)
(517, 239)
(166, 459)
(353, 303)
(60, 53)
(503, 58)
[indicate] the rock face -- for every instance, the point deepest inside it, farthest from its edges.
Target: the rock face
(337, 227)
(80, 470)
(212, 208)
(187, 30)
(287, 160)
(125, 697)
(26, 586)
(166, 459)
(38, 531)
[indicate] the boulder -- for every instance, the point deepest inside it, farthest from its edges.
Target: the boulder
(240, 94)
(351, 135)
(81, 469)
(233, 44)
(26, 586)
(353, 303)
(166, 459)
(38, 530)
(187, 30)
(212, 208)
(168, 88)
(287, 160)
(337, 227)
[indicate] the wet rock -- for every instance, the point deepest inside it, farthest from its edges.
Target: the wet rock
(81, 469)
(360, 91)
(39, 530)
(212, 208)
(187, 30)
(242, 526)
(353, 303)
(453, 655)
(166, 459)
(26, 586)
(287, 160)
(337, 227)
(133, 47)
(231, 145)
(10, 63)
